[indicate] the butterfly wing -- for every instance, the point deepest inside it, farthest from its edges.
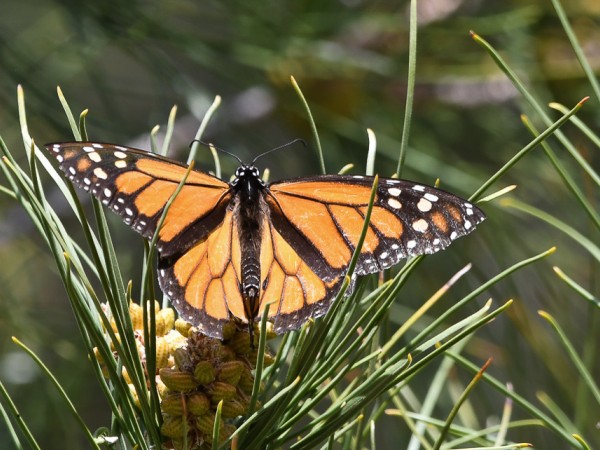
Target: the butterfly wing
(137, 185)
(197, 244)
(295, 289)
(319, 221)
(203, 282)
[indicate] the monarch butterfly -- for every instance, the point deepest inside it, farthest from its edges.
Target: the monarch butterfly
(227, 249)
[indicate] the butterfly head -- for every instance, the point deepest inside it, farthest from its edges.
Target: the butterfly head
(247, 173)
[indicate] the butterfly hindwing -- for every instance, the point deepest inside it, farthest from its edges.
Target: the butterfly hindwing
(291, 287)
(203, 282)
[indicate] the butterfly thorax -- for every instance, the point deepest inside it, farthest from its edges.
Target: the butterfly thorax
(249, 191)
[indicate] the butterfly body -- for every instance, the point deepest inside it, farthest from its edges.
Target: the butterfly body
(229, 249)
(249, 188)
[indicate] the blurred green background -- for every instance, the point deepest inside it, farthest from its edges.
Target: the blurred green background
(130, 62)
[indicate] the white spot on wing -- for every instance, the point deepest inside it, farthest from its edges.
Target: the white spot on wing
(431, 197)
(453, 235)
(94, 156)
(418, 187)
(394, 191)
(100, 173)
(394, 203)
(120, 155)
(107, 192)
(59, 158)
(88, 149)
(424, 205)
(467, 225)
(97, 145)
(120, 164)
(72, 170)
(420, 225)
(411, 244)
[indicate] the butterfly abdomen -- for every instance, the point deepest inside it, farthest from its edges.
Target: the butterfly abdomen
(250, 285)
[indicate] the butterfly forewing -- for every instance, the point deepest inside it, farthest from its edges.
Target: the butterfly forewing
(137, 184)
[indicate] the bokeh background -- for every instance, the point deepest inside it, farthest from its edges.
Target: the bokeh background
(130, 62)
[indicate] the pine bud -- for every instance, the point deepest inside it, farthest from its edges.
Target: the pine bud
(230, 372)
(221, 391)
(165, 319)
(228, 330)
(162, 352)
(204, 372)
(176, 380)
(268, 360)
(226, 353)
(198, 404)
(173, 404)
(240, 342)
(183, 327)
(182, 358)
(233, 408)
(137, 316)
(205, 424)
(172, 426)
(246, 382)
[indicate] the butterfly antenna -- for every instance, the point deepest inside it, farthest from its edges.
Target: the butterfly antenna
(279, 148)
(208, 144)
